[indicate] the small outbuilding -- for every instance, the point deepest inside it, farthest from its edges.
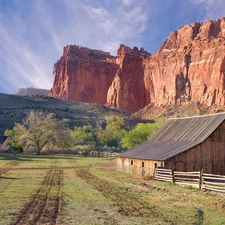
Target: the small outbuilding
(4, 141)
(183, 144)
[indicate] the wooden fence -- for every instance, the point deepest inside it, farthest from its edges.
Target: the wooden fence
(164, 174)
(188, 179)
(213, 182)
(103, 154)
(198, 179)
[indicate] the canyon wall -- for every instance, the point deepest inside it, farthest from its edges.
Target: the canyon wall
(190, 65)
(83, 75)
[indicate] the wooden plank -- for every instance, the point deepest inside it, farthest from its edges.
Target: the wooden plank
(163, 169)
(186, 179)
(213, 178)
(157, 176)
(214, 183)
(212, 175)
(167, 174)
(213, 189)
(187, 173)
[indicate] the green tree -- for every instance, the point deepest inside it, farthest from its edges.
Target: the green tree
(39, 129)
(140, 133)
(99, 136)
(114, 130)
(15, 145)
(82, 135)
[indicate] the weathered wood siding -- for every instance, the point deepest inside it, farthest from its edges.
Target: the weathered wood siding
(141, 167)
(3, 146)
(209, 156)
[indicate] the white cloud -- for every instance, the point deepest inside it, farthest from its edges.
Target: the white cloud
(119, 24)
(127, 2)
(214, 9)
(20, 66)
(33, 35)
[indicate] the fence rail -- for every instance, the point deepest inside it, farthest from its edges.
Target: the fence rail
(164, 174)
(213, 182)
(187, 178)
(197, 179)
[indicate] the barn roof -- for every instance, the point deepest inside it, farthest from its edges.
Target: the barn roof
(2, 139)
(176, 136)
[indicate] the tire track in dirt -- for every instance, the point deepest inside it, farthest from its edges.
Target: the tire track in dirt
(45, 203)
(7, 167)
(128, 203)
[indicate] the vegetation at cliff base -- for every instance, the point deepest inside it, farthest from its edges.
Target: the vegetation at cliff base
(41, 130)
(140, 133)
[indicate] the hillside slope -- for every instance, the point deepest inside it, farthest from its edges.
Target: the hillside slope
(15, 108)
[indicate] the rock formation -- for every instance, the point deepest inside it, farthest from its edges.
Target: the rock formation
(190, 65)
(127, 91)
(83, 75)
(33, 91)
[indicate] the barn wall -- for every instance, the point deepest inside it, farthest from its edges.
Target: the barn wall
(3, 146)
(138, 166)
(209, 156)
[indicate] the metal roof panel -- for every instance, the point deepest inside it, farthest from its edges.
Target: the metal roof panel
(176, 136)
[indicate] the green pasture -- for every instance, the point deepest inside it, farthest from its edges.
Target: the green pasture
(84, 201)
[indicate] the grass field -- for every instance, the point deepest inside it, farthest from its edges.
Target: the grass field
(78, 190)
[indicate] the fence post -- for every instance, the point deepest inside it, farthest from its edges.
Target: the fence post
(200, 179)
(154, 173)
(173, 178)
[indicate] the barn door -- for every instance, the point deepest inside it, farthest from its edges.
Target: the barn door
(132, 166)
(179, 166)
(123, 165)
(143, 168)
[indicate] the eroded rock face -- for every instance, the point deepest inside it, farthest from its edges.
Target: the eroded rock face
(83, 75)
(190, 65)
(127, 91)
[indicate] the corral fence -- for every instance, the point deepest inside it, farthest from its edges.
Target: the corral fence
(103, 154)
(197, 179)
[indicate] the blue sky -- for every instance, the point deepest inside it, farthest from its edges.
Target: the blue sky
(34, 32)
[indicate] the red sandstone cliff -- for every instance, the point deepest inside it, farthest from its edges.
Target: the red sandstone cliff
(190, 65)
(83, 75)
(127, 91)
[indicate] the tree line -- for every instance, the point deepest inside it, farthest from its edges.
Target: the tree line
(41, 130)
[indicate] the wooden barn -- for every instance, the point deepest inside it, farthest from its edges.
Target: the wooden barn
(183, 144)
(4, 140)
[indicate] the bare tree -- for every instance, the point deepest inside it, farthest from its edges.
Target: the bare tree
(39, 129)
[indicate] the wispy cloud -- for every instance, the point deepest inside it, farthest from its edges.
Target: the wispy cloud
(121, 25)
(33, 34)
(214, 9)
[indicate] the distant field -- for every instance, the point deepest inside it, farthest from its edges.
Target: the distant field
(78, 190)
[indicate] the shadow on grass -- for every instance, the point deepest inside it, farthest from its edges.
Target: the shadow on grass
(8, 156)
(8, 178)
(22, 157)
